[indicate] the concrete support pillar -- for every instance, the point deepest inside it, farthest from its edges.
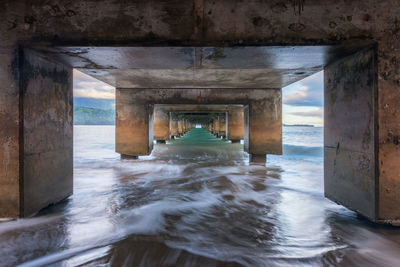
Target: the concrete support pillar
(216, 126)
(184, 126)
(351, 136)
(10, 123)
(387, 111)
(223, 120)
(173, 125)
(133, 126)
(235, 123)
(161, 124)
(263, 127)
(180, 127)
(36, 133)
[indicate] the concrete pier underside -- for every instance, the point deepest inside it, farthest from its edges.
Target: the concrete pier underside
(264, 124)
(165, 124)
(200, 44)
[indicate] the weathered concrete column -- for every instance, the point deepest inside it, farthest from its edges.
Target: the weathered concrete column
(174, 125)
(223, 125)
(263, 127)
(235, 123)
(133, 126)
(180, 127)
(184, 125)
(48, 132)
(161, 124)
(10, 123)
(350, 134)
(36, 160)
(216, 126)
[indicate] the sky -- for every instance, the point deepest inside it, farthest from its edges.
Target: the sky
(87, 86)
(302, 101)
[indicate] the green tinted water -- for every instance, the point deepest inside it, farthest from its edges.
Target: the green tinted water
(200, 137)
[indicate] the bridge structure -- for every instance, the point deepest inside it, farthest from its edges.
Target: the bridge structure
(201, 52)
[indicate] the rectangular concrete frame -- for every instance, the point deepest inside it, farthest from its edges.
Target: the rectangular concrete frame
(351, 156)
(265, 116)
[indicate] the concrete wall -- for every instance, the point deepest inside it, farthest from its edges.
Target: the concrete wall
(235, 123)
(351, 169)
(133, 126)
(161, 124)
(48, 132)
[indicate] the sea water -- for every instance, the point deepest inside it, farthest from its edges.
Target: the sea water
(196, 201)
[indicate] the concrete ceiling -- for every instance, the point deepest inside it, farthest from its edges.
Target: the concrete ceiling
(199, 67)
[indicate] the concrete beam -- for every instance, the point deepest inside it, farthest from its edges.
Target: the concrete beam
(199, 67)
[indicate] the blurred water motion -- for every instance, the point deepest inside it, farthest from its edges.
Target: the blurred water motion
(197, 202)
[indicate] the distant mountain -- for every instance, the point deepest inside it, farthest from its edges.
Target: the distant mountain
(93, 111)
(105, 104)
(93, 116)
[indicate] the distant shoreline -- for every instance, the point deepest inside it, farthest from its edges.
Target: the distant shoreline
(299, 125)
(94, 124)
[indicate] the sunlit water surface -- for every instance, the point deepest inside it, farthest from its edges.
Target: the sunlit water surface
(197, 202)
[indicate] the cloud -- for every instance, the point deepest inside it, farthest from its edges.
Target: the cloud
(87, 86)
(312, 113)
(307, 92)
(303, 115)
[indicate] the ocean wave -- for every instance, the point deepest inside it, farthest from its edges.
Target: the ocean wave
(309, 151)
